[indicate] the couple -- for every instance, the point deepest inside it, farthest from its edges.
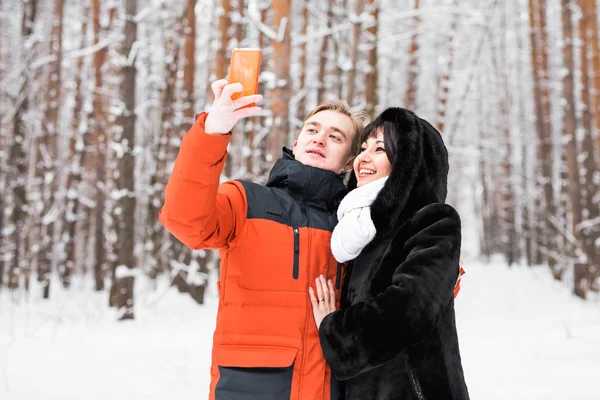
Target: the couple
(279, 332)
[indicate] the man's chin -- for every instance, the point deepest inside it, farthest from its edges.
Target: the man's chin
(320, 163)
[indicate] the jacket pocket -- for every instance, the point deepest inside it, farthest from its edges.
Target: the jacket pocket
(273, 260)
(254, 372)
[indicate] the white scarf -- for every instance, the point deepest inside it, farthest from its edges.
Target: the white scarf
(355, 228)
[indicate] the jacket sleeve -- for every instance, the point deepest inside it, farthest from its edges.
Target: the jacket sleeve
(370, 333)
(198, 210)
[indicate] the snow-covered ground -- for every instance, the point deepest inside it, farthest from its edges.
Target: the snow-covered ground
(522, 336)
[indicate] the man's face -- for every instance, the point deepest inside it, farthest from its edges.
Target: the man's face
(325, 141)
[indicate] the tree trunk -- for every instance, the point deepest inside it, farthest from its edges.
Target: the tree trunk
(125, 137)
(46, 166)
(580, 273)
(486, 239)
(356, 28)
(340, 43)
(590, 11)
(280, 95)
(3, 157)
(256, 161)
(162, 150)
(523, 178)
(301, 110)
(17, 163)
(591, 189)
(222, 59)
(222, 55)
(186, 255)
(507, 191)
(410, 101)
(538, 238)
(545, 146)
(372, 75)
(78, 144)
(98, 142)
(485, 245)
(324, 56)
(548, 242)
(445, 82)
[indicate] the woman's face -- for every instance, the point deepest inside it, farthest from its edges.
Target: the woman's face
(372, 162)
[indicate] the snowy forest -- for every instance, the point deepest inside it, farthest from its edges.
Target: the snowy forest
(95, 97)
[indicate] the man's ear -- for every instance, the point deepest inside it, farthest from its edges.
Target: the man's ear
(349, 164)
(294, 147)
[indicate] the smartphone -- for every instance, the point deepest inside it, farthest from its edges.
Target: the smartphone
(245, 68)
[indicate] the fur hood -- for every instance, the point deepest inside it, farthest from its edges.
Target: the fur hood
(419, 174)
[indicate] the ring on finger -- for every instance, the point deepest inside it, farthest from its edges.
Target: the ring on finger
(320, 300)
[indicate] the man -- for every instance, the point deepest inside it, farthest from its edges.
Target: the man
(274, 241)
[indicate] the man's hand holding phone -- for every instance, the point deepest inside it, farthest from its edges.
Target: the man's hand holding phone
(225, 112)
(237, 99)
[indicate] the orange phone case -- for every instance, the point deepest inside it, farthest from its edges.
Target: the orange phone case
(244, 68)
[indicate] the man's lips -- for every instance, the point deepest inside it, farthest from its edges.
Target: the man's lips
(316, 151)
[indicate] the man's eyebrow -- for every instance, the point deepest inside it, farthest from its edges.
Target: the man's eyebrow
(318, 125)
(341, 132)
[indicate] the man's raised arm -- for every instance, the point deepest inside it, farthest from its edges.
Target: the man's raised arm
(198, 210)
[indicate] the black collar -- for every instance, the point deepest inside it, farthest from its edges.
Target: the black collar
(310, 185)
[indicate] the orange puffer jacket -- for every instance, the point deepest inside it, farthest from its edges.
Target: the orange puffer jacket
(274, 240)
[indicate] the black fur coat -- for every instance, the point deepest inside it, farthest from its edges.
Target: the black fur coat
(395, 336)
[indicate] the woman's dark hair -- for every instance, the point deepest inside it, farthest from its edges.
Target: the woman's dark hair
(389, 136)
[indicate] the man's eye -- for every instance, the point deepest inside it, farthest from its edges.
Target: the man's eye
(311, 130)
(334, 137)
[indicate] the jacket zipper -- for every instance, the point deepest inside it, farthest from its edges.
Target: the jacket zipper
(338, 276)
(296, 269)
(416, 384)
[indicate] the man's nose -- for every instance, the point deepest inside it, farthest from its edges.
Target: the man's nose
(319, 138)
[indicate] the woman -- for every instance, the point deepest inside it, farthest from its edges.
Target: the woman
(395, 335)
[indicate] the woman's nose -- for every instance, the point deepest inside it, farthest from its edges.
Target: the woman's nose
(365, 156)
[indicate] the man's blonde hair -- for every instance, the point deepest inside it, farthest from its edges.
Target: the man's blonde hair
(358, 119)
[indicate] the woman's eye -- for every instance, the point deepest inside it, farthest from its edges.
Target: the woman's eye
(380, 149)
(362, 149)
